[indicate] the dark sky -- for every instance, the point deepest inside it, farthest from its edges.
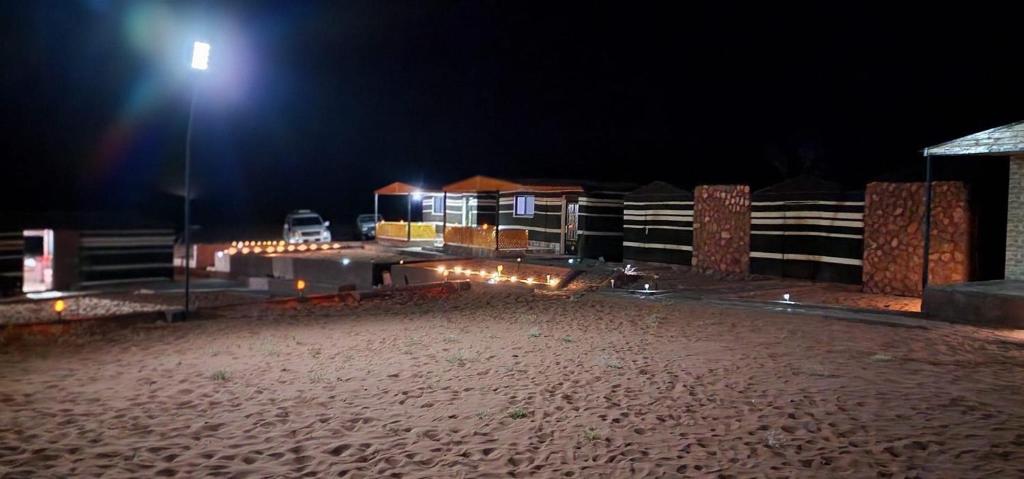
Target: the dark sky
(313, 105)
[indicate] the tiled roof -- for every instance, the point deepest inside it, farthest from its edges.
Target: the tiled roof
(1003, 140)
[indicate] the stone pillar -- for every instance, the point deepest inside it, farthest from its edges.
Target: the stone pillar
(1015, 220)
(721, 229)
(894, 238)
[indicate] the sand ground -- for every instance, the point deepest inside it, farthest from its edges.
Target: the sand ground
(498, 382)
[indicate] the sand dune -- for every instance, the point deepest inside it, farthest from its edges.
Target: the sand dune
(500, 383)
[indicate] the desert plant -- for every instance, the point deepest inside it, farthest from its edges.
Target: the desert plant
(516, 413)
(611, 362)
(533, 333)
(591, 434)
(220, 375)
(567, 339)
(456, 359)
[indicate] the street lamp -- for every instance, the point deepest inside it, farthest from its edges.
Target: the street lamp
(200, 61)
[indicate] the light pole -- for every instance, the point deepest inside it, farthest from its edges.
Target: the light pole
(200, 61)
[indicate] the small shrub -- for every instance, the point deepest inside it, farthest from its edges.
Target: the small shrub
(567, 339)
(516, 413)
(611, 362)
(220, 375)
(317, 376)
(591, 435)
(533, 333)
(456, 359)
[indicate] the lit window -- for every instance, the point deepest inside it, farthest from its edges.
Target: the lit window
(523, 206)
(438, 205)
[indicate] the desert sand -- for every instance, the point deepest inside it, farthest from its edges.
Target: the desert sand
(499, 382)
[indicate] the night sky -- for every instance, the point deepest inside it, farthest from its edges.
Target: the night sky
(314, 105)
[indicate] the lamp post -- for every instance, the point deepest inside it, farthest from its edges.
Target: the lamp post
(200, 62)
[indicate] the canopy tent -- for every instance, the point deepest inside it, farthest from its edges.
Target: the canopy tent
(658, 224)
(807, 228)
(399, 188)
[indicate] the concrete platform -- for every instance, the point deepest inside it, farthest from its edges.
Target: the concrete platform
(997, 304)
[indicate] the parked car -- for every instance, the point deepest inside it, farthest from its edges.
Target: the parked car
(305, 226)
(366, 225)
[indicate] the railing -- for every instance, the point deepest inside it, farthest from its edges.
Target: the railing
(484, 237)
(399, 230)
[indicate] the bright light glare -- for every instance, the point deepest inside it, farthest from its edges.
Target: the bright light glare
(200, 55)
(417, 195)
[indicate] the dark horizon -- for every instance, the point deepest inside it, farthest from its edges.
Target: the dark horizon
(316, 105)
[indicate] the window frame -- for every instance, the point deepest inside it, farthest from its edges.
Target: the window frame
(528, 212)
(434, 202)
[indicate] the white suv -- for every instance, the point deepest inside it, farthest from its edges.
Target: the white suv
(305, 226)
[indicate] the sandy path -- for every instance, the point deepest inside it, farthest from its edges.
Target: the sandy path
(496, 382)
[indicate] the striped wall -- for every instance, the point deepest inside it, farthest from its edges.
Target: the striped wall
(817, 236)
(658, 227)
(479, 208)
(428, 211)
(544, 227)
(12, 246)
(600, 225)
(120, 255)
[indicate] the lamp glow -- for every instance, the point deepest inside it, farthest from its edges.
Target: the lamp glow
(300, 285)
(58, 307)
(200, 56)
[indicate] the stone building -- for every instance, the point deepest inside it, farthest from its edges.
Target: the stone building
(1004, 141)
(992, 303)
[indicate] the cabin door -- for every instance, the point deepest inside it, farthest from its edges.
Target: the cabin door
(572, 214)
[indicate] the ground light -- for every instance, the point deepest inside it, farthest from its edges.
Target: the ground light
(58, 307)
(300, 286)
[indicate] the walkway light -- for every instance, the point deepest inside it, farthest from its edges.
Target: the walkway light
(58, 307)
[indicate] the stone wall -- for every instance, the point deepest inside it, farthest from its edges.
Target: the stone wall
(894, 238)
(721, 229)
(1015, 221)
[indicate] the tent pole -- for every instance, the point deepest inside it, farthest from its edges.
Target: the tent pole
(444, 215)
(408, 217)
(375, 216)
(497, 219)
(927, 218)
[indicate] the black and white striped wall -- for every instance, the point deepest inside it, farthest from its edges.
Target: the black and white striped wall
(478, 207)
(544, 226)
(600, 225)
(109, 256)
(816, 235)
(658, 224)
(428, 204)
(12, 257)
